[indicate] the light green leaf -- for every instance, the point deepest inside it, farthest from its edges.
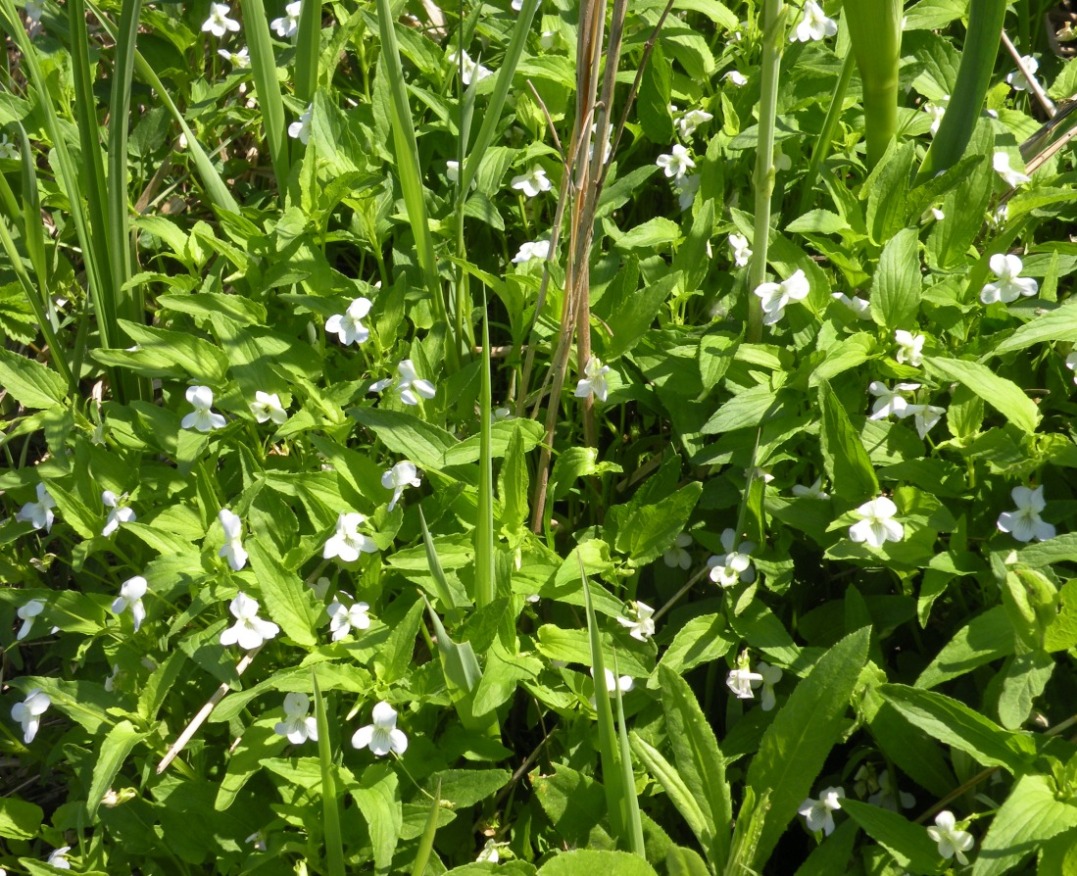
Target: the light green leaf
(591, 862)
(987, 637)
(30, 383)
(1055, 326)
(1003, 395)
(288, 600)
(817, 222)
(796, 744)
(19, 819)
(407, 435)
(648, 529)
(1032, 814)
(1024, 680)
(112, 752)
(909, 843)
(650, 235)
(895, 292)
(844, 458)
(376, 795)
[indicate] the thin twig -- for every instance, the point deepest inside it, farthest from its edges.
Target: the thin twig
(200, 717)
(1041, 96)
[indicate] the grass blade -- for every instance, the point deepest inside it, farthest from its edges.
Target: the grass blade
(426, 843)
(308, 51)
(973, 79)
(485, 581)
(264, 70)
(634, 824)
(406, 152)
(441, 583)
(334, 842)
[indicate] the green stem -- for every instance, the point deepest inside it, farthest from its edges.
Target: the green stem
(826, 136)
(773, 41)
(875, 34)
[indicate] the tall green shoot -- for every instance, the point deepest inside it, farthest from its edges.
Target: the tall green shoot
(875, 33)
(264, 69)
(485, 580)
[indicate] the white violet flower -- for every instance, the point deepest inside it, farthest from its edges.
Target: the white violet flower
(1025, 523)
(470, 71)
(536, 249)
(813, 25)
(952, 842)
(735, 77)
(815, 491)
(936, 111)
(775, 296)
(288, 26)
(300, 128)
(677, 555)
(691, 120)
(741, 680)
(860, 307)
(58, 858)
(218, 22)
(348, 326)
(677, 163)
(297, 725)
(1071, 363)
(910, 349)
(249, 630)
(770, 676)
(8, 150)
(924, 417)
(28, 713)
(819, 814)
(736, 565)
(1001, 163)
(38, 514)
(877, 526)
(738, 243)
(401, 475)
(266, 406)
(411, 386)
(382, 736)
(117, 513)
(348, 542)
(202, 417)
(233, 549)
(241, 59)
(889, 402)
(594, 380)
(342, 618)
(533, 182)
(614, 684)
(1011, 285)
(27, 613)
(1017, 79)
(642, 628)
(131, 592)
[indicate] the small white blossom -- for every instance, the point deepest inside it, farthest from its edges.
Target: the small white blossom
(813, 25)
(117, 513)
(1071, 363)
(257, 841)
(677, 163)
(233, 550)
(8, 150)
(952, 842)
(348, 542)
(288, 26)
(910, 349)
(889, 402)
(770, 676)
(614, 684)
(775, 296)
(1017, 79)
(738, 244)
(735, 77)
(202, 417)
(266, 406)
(452, 170)
(860, 307)
(249, 630)
(38, 514)
(27, 612)
(58, 858)
(691, 120)
(877, 526)
(297, 725)
(470, 71)
(382, 736)
(741, 680)
(642, 627)
(348, 326)
(1011, 285)
(686, 192)
(1001, 163)
(343, 618)
(533, 182)
(819, 814)
(677, 555)
(594, 380)
(924, 417)
(936, 111)
(28, 713)
(218, 22)
(889, 797)
(131, 592)
(1025, 523)
(735, 565)
(490, 852)
(401, 475)
(241, 59)
(300, 128)
(537, 249)
(815, 491)
(411, 386)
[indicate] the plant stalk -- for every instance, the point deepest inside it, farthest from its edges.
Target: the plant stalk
(875, 34)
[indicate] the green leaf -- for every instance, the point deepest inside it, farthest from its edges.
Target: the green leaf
(748, 409)
(888, 190)
(407, 435)
(958, 726)
(652, 104)
(909, 843)
(895, 293)
(685, 862)
(288, 600)
(1061, 634)
(112, 752)
(699, 762)
(1023, 681)
(1003, 395)
(796, 744)
(590, 862)
(19, 819)
(30, 383)
(715, 355)
(817, 222)
(650, 235)
(1055, 326)
(649, 528)
(1032, 814)
(984, 639)
(844, 458)
(164, 353)
(832, 856)
(635, 311)
(665, 774)
(376, 795)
